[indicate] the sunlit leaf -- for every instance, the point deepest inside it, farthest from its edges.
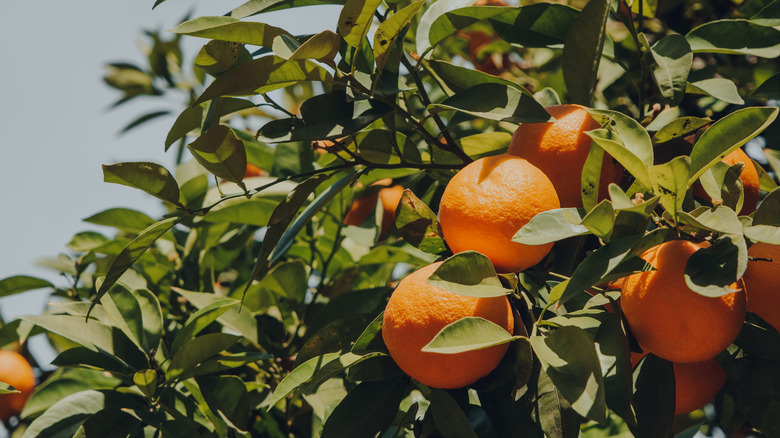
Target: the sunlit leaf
(355, 18)
(739, 37)
(468, 273)
(720, 88)
(495, 102)
(149, 177)
(418, 224)
(230, 29)
(551, 226)
(21, 283)
(468, 334)
(673, 55)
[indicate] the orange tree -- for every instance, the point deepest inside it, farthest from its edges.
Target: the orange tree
(251, 308)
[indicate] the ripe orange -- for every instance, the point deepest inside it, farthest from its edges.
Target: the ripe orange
(695, 383)
(418, 310)
(761, 286)
(670, 320)
(748, 176)
(485, 204)
(17, 372)
(560, 148)
(363, 206)
(252, 170)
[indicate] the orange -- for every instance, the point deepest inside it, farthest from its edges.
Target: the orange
(363, 206)
(761, 283)
(485, 204)
(560, 149)
(17, 372)
(695, 383)
(252, 170)
(418, 310)
(670, 320)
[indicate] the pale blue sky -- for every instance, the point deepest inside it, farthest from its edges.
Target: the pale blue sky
(55, 127)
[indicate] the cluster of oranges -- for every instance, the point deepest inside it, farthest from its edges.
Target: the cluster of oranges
(485, 204)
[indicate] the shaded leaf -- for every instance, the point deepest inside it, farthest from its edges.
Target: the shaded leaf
(582, 50)
(418, 224)
(149, 177)
(713, 270)
(197, 350)
(230, 29)
(355, 18)
(536, 25)
(389, 30)
(367, 410)
(322, 46)
(673, 55)
(450, 419)
(220, 152)
(495, 102)
(739, 37)
(424, 26)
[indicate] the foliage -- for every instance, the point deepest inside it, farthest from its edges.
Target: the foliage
(251, 309)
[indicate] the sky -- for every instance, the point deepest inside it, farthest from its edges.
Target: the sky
(56, 128)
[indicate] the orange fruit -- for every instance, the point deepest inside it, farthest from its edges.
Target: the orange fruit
(763, 293)
(560, 148)
(670, 320)
(695, 383)
(485, 204)
(17, 372)
(363, 206)
(418, 310)
(252, 170)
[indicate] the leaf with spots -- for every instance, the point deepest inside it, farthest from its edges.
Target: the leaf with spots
(389, 30)
(355, 20)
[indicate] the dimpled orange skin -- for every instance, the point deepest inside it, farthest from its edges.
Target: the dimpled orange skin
(17, 372)
(560, 148)
(761, 283)
(418, 310)
(485, 204)
(670, 320)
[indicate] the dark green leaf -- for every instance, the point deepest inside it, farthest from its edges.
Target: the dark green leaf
(769, 89)
(132, 252)
(739, 37)
(495, 102)
(255, 211)
(459, 78)
(149, 177)
(367, 410)
(122, 218)
(468, 273)
(199, 321)
(582, 50)
(70, 382)
(337, 336)
(468, 334)
(220, 152)
(197, 350)
(536, 25)
(238, 319)
(143, 119)
(299, 376)
(21, 283)
(448, 416)
(713, 270)
(654, 398)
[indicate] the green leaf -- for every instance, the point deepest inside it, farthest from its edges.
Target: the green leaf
(191, 118)
(280, 219)
(670, 182)
(459, 78)
(255, 211)
(737, 37)
(336, 336)
(468, 334)
(66, 416)
(69, 382)
(450, 22)
(325, 116)
(768, 212)
(322, 46)
(124, 309)
(551, 226)
(195, 351)
(654, 398)
(220, 152)
(582, 51)
(228, 395)
(680, 127)
(418, 224)
(146, 381)
(450, 419)
(763, 233)
(719, 219)
(230, 29)
(298, 376)
(568, 355)
(143, 119)
(21, 283)
(371, 339)
(600, 220)
(769, 89)
(673, 55)
(536, 25)
(424, 27)
(389, 30)
(7, 389)
(262, 75)
(495, 102)
(122, 218)
(149, 177)
(132, 252)
(614, 146)
(199, 321)
(367, 410)
(726, 135)
(711, 271)
(468, 273)
(239, 319)
(356, 16)
(94, 335)
(719, 88)
(218, 56)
